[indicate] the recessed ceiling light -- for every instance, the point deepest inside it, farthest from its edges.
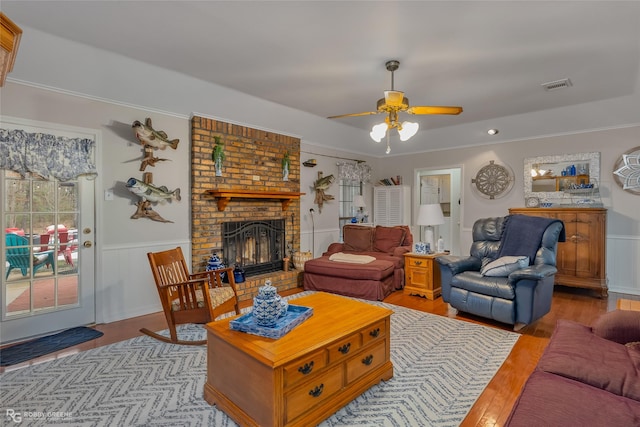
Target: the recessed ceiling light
(492, 132)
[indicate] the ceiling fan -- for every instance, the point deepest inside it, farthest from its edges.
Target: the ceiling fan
(394, 102)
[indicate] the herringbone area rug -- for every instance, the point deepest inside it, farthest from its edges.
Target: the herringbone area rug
(441, 366)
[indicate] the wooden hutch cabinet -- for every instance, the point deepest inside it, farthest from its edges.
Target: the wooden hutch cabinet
(581, 260)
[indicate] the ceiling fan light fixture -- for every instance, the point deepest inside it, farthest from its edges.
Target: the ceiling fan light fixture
(395, 98)
(378, 132)
(395, 102)
(407, 130)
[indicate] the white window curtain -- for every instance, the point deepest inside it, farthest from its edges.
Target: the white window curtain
(46, 155)
(357, 171)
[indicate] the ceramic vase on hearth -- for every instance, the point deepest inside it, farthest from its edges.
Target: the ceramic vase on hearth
(215, 263)
(268, 306)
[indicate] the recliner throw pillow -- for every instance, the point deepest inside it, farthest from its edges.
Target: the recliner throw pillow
(504, 266)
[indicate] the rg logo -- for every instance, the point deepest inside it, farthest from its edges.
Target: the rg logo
(15, 416)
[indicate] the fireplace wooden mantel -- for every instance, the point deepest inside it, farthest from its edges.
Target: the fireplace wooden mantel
(224, 196)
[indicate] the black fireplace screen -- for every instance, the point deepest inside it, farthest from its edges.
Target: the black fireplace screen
(256, 246)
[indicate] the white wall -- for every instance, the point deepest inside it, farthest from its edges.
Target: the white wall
(124, 285)
(623, 217)
(136, 91)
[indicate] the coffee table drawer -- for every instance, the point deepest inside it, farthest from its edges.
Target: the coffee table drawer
(374, 332)
(304, 368)
(313, 392)
(344, 348)
(366, 361)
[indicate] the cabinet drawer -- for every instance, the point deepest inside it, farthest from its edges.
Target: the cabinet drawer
(366, 361)
(313, 392)
(420, 264)
(304, 368)
(344, 348)
(375, 332)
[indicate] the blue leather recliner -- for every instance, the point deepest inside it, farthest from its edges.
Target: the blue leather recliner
(522, 296)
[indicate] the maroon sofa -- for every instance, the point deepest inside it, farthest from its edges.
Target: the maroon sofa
(587, 376)
(371, 281)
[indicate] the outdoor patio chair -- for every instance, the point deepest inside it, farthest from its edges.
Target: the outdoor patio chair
(19, 255)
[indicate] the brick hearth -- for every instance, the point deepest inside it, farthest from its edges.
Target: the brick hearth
(253, 162)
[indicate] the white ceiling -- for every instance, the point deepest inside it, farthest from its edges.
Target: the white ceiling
(327, 57)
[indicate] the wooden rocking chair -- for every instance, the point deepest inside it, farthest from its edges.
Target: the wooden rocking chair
(189, 298)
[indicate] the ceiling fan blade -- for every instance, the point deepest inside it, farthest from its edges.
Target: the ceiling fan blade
(423, 109)
(367, 113)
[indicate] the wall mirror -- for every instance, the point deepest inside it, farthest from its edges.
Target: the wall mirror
(546, 177)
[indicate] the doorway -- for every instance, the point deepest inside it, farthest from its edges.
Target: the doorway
(47, 253)
(442, 186)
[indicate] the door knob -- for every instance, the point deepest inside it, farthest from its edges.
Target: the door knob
(87, 244)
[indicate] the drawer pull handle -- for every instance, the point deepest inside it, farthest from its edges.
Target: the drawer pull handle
(375, 333)
(345, 348)
(316, 391)
(368, 360)
(306, 369)
(417, 262)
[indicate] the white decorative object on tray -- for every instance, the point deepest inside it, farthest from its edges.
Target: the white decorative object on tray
(294, 316)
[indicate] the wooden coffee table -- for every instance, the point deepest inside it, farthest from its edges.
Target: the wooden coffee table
(308, 374)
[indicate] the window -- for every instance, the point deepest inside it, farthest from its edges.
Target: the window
(349, 188)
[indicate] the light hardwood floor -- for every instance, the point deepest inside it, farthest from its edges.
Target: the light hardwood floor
(494, 404)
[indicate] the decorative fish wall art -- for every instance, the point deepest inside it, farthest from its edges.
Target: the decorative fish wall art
(149, 194)
(152, 139)
(319, 186)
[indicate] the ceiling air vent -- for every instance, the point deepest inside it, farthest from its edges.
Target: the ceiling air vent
(558, 84)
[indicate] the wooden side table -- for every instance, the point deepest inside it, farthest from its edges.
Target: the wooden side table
(421, 275)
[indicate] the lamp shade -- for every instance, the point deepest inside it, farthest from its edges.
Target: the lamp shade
(430, 214)
(408, 130)
(358, 201)
(378, 132)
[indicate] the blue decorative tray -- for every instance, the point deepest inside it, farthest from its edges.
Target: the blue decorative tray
(296, 314)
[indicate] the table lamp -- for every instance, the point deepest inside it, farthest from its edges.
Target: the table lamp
(430, 215)
(358, 202)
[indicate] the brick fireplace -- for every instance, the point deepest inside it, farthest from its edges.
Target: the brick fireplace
(252, 162)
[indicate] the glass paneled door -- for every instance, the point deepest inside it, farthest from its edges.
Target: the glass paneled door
(47, 255)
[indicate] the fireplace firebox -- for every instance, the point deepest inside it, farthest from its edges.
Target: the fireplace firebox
(256, 246)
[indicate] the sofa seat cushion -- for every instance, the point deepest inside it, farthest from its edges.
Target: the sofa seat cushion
(474, 281)
(575, 352)
(552, 400)
(398, 261)
(375, 270)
